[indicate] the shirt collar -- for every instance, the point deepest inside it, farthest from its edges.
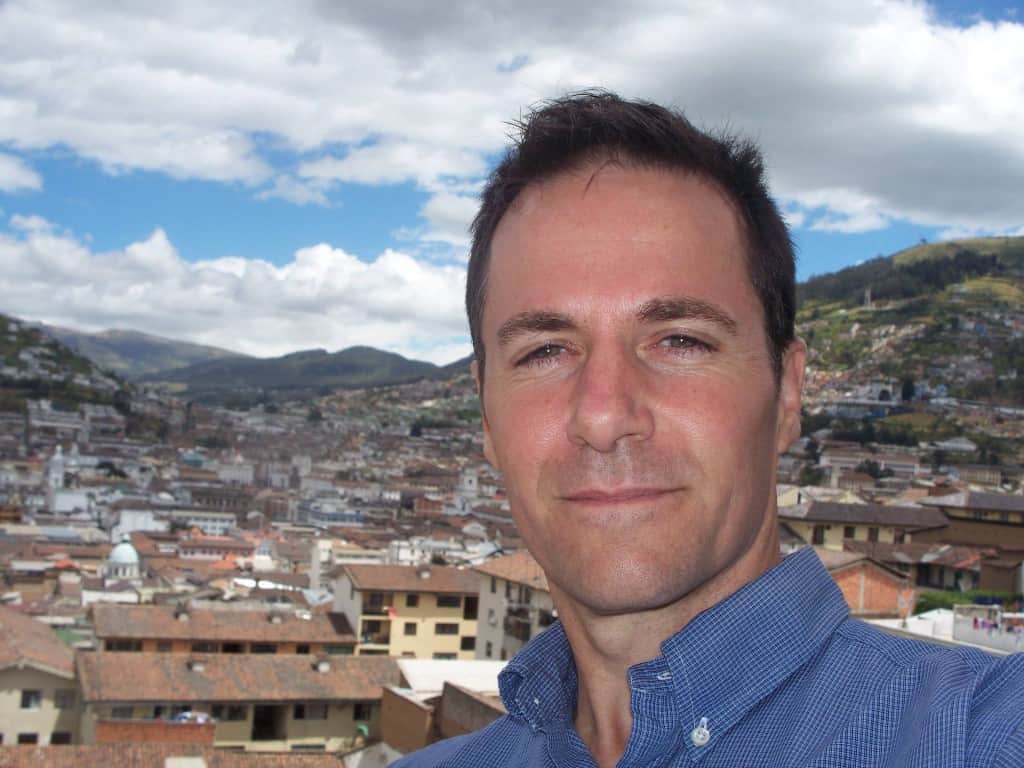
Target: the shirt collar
(718, 667)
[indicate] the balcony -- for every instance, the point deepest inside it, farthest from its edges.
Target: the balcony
(517, 625)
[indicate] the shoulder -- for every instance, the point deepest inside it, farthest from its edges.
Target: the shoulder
(505, 742)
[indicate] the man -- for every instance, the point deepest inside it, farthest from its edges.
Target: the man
(631, 302)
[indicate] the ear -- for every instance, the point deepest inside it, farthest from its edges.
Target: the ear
(791, 388)
(474, 369)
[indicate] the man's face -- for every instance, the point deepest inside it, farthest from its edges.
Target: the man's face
(629, 396)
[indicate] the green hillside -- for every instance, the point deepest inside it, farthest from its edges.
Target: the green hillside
(946, 313)
(133, 354)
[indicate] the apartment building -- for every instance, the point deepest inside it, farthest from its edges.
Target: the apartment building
(827, 524)
(169, 629)
(515, 604)
(39, 697)
(254, 702)
(424, 612)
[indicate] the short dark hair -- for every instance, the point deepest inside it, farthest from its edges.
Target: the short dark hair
(567, 133)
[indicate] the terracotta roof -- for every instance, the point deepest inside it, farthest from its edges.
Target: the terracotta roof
(23, 640)
(1000, 502)
(835, 560)
(158, 621)
(865, 514)
(226, 677)
(408, 578)
(910, 553)
(519, 567)
(135, 755)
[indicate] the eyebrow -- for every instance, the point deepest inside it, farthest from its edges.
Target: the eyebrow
(533, 322)
(660, 310)
(671, 308)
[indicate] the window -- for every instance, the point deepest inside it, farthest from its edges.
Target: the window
(489, 649)
(444, 656)
(873, 533)
(849, 532)
(449, 601)
(818, 535)
(31, 699)
(446, 629)
(362, 710)
(899, 536)
(60, 737)
(232, 648)
(302, 648)
(158, 711)
(508, 590)
(310, 711)
(410, 628)
(64, 698)
(163, 646)
(121, 712)
(263, 648)
(494, 585)
(412, 601)
(229, 712)
(470, 607)
(339, 650)
(180, 709)
(204, 647)
(124, 645)
(467, 644)
(28, 738)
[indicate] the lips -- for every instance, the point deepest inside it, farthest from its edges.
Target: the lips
(616, 495)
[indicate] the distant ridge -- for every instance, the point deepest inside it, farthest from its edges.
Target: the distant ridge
(299, 374)
(133, 354)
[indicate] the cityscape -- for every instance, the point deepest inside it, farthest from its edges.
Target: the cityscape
(247, 516)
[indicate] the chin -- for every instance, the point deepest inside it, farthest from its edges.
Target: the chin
(629, 586)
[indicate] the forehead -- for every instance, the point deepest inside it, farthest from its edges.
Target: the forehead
(608, 234)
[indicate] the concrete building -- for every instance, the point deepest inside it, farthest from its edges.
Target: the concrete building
(827, 524)
(253, 702)
(39, 696)
(424, 612)
(515, 604)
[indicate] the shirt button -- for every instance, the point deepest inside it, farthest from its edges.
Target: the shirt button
(701, 735)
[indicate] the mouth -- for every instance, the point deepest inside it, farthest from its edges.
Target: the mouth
(617, 496)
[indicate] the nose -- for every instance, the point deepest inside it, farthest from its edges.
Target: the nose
(609, 401)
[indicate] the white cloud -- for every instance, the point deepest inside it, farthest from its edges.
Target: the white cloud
(448, 217)
(16, 175)
(298, 191)
(323, 297)
(394, 162)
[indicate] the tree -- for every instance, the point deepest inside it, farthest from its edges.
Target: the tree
(908, 390)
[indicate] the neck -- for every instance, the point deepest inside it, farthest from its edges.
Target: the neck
(606, 646)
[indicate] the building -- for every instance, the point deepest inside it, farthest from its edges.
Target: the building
(424, 612)
(39, 697)
(872, 589)
(166, 629)
(515, 604)
(260, 703)
(980, 519)
(827, 524)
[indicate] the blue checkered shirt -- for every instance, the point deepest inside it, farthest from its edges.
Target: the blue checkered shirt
(778, 674)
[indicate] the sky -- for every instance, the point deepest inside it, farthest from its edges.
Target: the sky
(273, 176)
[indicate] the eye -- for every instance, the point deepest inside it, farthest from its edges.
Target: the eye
(678, 341)
(542, 355)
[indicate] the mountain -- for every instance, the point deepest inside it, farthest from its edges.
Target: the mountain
(947, 315)
(34, 365)
(132, 354)
(298, 374)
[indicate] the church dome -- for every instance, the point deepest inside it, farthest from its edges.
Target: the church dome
(124, 554)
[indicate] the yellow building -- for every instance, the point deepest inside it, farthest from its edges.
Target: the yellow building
(424, 612)
(39, 698)
(253, 702)
(827, 524)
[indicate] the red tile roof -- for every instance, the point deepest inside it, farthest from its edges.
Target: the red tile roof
(23, 640)
(519, 567)
(159, 622)
(413, 578)
(167, 677)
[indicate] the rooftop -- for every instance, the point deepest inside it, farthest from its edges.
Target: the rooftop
(25, 641)
(160, 621)
(412, 578)
(518, 567)
(866, 514)
(168, 677)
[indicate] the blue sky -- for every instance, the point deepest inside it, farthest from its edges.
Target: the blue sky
(301, 175)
